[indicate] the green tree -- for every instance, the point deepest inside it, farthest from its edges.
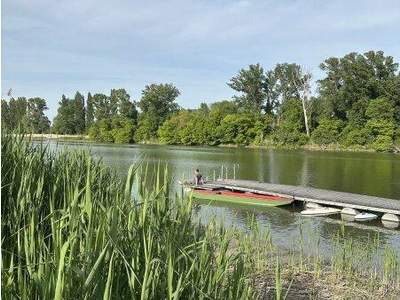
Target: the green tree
(170, 132)
(14, 113)
(37, 121)
(122, 130)
(102, 107)
(353, 78)
(64, 122)
(89, 111)
(121, 104)
(327, 132)
(237, 129)
(157, 104)
(381, 124)
(79, 113)
(251, 83)
(290, 129)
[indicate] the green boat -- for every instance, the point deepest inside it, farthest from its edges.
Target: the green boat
(240, 197)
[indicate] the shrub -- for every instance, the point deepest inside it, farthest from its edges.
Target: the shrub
(327, 132)
(237, 129)
(382, 143)
(353, 136)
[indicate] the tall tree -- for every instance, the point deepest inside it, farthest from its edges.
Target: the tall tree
(17, 113)
(251, 83)
(157, 104)
(102, 107)
(79, 113)
(89, 111)
(287, 82)
(64, 122)
(356, 77)
(37, 121)
(121, 104)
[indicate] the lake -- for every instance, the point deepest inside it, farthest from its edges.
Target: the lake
(374, 174)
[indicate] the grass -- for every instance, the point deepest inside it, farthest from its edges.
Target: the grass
(72, 230)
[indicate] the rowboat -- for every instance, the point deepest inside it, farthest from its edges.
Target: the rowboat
(364, 216)
(239, 197)
(319, 212)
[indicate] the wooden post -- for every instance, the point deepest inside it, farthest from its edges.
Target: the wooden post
(214, 175)
(234, 173)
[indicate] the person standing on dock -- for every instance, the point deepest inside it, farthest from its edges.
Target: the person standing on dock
(198, 178)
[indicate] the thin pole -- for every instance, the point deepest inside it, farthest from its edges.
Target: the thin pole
(214, 175)
(234, 171)
(222, 172)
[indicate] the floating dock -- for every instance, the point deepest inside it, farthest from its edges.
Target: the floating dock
(313, 195)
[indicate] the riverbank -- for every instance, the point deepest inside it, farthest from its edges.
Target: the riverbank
(71, 229)
(308, 147)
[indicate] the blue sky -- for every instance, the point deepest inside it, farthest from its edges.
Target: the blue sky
(50, 47)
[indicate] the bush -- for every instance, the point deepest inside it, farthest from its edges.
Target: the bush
(327, 132)
(122, 130)
(287, 135)
(382, 143)
(353, 136)
(237, 129)
(380, 109)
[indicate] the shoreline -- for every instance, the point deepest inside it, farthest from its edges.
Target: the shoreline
(307, 147)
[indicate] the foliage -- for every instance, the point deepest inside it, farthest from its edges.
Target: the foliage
(25, 114)
(290, 129)
(327, 132)
(237, 129)
(251, 83)
(353, 136)
(356, 77)
(157, 104)
(357, 103)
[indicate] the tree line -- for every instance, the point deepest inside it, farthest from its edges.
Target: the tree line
(357, 104)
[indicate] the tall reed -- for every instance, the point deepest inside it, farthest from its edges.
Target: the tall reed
(71, 230)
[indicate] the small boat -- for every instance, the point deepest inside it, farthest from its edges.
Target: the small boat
(350, 211)
(364, 216)
(239, 197)
(321, 211)
(391, 218)
(312, 205)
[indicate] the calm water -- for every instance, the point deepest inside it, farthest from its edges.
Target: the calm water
(365, 173)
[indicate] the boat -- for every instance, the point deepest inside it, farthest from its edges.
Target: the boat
(239, 197)
(321, 211)
(391, 218)
(312, 205)
(350, 211)
(364, 216)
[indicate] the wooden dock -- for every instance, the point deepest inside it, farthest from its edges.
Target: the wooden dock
(308, 194)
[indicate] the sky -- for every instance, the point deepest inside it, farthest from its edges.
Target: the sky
(55, 47)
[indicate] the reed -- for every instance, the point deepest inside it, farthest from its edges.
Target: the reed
(71, 230)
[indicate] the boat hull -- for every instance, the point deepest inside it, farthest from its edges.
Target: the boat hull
(320, 212)
(241, 198)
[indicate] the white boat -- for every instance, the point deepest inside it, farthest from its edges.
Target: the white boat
(364, 216)
(312, 205)
(391, 218)
(321, 211)
(350, 211)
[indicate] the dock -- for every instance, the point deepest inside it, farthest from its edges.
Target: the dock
(314, 195)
